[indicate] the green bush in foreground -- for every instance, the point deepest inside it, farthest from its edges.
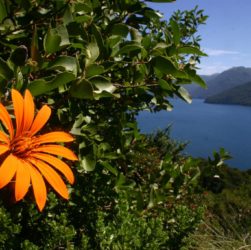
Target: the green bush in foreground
(146, 210)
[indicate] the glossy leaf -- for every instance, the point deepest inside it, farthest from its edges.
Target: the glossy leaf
(88, 163)
(176, 32)
(41, 86)
(129, 48)
(82, 89)
(183, 93)
(92, 52)
(94, 70)
(64, 63)
(52, 41)
(164, 65)
(64, 36)
(120, 30)
(197, 79)
(68, 18)
(165, 85)
(190, 50)
(102, 84)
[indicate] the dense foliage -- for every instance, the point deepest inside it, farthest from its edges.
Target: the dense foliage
(227, 221)
(97, 64)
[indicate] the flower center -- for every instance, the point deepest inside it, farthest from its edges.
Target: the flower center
(21, 146)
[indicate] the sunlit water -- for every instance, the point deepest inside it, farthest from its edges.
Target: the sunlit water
(207, 127)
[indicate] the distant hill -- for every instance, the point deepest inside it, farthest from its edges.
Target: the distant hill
(238, 95)
(221, 82)
(193, 88)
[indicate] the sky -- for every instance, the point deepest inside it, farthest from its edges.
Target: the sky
(226, 37)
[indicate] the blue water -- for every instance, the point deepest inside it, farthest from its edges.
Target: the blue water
(207, 127)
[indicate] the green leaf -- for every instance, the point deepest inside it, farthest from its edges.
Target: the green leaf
(165, 85)
(52, 41)
(63, 33)
(41, 86)
(66, 63)
(5, 71)
(103, 87)
(190, 50)
(196, 78)
(160, 46)
(94, 70)
(199, 80)
(135, 35)
(88, 163)
(76, 128)
(129, 48)
(92, 52)
(165, 65)
(176, 32)
(183, 93)
(102, 84)
(113, 42)
(96, 30)
(83, 7)
(82, 89)
(120, 29)
(67, 18)
(152, 14)
(110, 168)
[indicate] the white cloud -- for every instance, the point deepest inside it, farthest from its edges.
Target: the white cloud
(212, 69)
(220, 52)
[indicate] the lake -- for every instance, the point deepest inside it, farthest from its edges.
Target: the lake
(207, 127)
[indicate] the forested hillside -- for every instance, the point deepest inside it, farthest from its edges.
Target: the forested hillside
(221, 82)
(240, 95)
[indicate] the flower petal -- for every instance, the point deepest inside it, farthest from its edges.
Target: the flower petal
(52, 177)
(54, 137)
(22, 180)
(57, 150)
(5, 118)
(3, 149)
(41, 118)
(18, 104)
(4, 138)
(56, 163)
(29, 108)
(39, 188)
(8, 170)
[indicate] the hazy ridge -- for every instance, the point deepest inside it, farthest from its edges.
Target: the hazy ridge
(232, 86)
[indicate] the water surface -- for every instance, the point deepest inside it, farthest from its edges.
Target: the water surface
(207, 127)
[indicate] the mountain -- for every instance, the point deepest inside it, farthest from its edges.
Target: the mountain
(221, 82)
(193, 88)
(238, 95)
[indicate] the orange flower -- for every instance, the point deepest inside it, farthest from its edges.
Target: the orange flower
(29, 159)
